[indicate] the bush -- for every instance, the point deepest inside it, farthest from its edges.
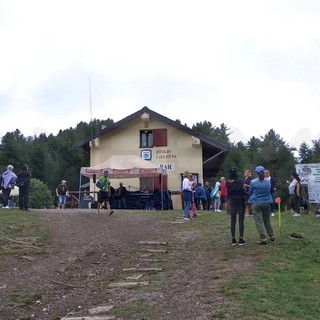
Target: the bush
(40, 196)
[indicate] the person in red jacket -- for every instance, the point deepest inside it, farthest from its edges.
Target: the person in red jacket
(223, 194)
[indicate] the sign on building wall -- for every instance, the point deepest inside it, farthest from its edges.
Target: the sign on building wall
(309, 173)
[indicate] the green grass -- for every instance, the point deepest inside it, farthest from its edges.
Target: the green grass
(284, 282)
(15, 224)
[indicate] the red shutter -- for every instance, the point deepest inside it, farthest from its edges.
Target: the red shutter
(157, 182)
(160, 137)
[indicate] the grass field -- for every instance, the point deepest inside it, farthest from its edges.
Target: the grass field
(283, 282)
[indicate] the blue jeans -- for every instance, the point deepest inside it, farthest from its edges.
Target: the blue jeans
(62, 199)
(186, 210)
(187, 197)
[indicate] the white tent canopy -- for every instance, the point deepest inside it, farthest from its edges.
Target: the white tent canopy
(124, 166)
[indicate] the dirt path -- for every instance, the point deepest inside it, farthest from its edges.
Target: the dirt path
(90, 252)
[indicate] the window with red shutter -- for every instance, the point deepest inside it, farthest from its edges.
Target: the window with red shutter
(160, 138)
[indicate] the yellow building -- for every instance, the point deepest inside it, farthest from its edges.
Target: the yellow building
(164, 142)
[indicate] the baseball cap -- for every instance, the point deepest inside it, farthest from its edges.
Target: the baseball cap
(259, 169)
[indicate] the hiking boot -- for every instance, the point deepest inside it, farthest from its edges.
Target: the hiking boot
(262, 241)
(234, 241)
(241, 242)
(273, 239)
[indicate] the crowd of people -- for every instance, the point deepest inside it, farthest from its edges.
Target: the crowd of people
(240, 197)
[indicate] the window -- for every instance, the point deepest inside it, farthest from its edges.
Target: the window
(160, 137)
(153, 138)
(146, 139)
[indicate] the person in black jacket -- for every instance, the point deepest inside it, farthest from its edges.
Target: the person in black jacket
(121, 196)
(23, 182)
(236, 204)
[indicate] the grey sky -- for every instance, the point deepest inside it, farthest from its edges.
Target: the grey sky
(249, 64)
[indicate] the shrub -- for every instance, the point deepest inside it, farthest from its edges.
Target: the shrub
(40, 196)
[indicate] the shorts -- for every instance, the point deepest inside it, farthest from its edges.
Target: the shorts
(223, 199)
(103, 196)
(63, 199)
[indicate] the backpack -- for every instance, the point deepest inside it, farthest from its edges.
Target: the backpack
(214, 193)
(199, 191)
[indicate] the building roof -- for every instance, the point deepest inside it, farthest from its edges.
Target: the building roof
(214, 153)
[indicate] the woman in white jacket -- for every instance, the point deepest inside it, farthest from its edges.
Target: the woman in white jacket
(8, 182)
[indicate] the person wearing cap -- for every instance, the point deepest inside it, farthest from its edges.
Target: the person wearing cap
(8, 182)
(236, 205)
(104, 194)
(62, 194)
(260, 198)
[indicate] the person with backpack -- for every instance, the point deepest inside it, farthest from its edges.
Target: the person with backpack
(200, 196)
(215, 197)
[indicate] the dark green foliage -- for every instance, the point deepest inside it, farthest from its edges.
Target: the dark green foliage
(40, 196)
(53, 158)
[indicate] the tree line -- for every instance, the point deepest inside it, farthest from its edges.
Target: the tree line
(52, 158)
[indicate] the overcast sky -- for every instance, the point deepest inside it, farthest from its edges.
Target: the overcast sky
(252, 65)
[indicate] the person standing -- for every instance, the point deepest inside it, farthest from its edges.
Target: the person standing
(187, 195)
(272, 190)
(247, 179)
(104, 193)
(260, 198)
(295, 194)
(236, 205)
(216, 198)
(62, 194)
(200, 197)
(223, 194)
(208, 191)
(23, 182)
(8, 182)
(121, 194)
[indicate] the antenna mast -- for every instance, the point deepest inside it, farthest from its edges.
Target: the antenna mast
(90, 108)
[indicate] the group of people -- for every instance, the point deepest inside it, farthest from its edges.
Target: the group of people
(257, 195)
(8, 181)
(203, 195)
